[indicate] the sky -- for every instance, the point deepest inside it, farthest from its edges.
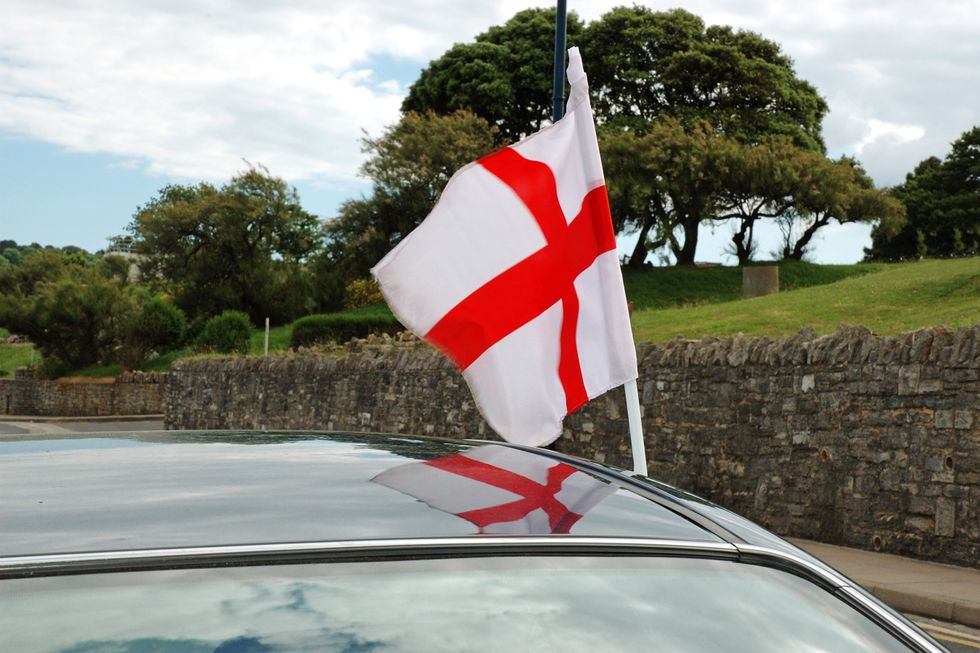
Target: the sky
(104, 103)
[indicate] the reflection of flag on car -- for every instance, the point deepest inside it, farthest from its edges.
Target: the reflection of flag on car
(514, 275)
(501, 490)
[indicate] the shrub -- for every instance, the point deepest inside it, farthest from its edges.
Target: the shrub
(339, 327)
(158, 326)
(230, 332)
(78, 320)
(362, 292)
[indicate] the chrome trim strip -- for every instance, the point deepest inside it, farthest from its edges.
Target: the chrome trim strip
(824, 575)
(889, 620)
(290, 552)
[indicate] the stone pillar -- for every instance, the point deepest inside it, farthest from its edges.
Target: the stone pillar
(759, 280)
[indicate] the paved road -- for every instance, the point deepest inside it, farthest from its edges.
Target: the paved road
(958, 639)
(87, 426)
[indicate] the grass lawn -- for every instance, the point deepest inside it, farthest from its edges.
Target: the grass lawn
(278, 339)
(674, 287)
(12, 357)
(888, 299)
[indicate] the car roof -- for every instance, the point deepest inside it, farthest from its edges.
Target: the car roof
(110, 492)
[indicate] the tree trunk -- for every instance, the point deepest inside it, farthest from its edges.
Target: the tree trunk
(743, 246)
(799, 249)
(685, 255)
(639, 255)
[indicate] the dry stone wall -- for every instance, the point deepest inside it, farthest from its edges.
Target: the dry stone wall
(850, 438)
(134, 393)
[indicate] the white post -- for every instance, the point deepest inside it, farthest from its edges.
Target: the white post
(266, 336)
(636, 428)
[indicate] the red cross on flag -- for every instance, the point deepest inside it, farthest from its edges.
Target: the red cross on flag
(501, 490)
(514, 275)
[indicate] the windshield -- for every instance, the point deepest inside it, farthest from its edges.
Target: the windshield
(563, 604)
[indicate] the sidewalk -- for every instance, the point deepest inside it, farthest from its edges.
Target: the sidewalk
(929, 589)
(94, 418)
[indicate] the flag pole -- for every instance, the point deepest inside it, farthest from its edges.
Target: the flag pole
(558, 87)
(636, 427)
(557, 111)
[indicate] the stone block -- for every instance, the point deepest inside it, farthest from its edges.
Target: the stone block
(759, 280)
(963, 419)
(945, 517)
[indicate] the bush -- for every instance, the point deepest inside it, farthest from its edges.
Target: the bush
(339, 327)
(362, 292)
(159, 326)
(78, 320)
(230, 332)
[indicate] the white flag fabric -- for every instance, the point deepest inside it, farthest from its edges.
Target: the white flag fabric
(514, 275)
(501, 490)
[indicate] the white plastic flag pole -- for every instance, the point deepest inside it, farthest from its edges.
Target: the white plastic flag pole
(636, 428)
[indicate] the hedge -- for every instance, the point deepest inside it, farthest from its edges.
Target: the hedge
(230, 332)
(339, 327)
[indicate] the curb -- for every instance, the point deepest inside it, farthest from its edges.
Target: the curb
(926, 606)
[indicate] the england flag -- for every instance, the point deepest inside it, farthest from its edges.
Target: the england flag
(514, 275)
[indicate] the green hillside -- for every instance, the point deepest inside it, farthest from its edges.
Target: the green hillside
(692, 302)
(888, 299)
(668, 287)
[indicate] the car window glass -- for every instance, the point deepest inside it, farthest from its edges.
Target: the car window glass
(566, 604)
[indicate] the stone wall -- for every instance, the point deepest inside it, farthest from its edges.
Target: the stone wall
(133, 393)
(850, 438)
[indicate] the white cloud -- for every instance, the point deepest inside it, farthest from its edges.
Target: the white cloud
(189, 89)
(880, 131)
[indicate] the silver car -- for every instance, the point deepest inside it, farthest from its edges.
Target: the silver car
(185, 542)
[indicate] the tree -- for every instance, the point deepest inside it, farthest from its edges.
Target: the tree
(665, 183)
(78, 319)
(504, 76)
(843, 192)
(942, 202)
(239, 247)
(763, 181)
(644, 67)
(645, 64)
(157, 326)
(408, 165)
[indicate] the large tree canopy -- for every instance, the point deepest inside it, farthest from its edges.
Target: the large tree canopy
(504, 76)
(703, 90)
(644, 64)
(942, 201)
(235, 247)
(666, 181)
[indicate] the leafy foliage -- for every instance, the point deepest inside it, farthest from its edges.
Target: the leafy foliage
(645, 64)
(340, 327)
(227, 333)
(504, 76)
(362, 292)
(668, 181)
(408, 166)
(692, 98)
(237, 247)
(78, 320)
(157, 327)
(942, 201)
